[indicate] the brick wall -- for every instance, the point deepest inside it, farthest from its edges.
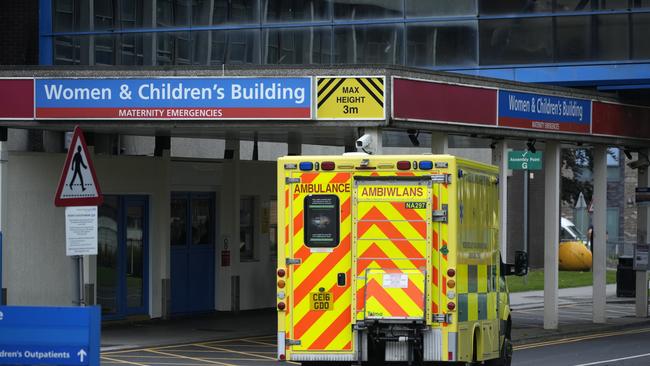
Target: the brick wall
(19, 32)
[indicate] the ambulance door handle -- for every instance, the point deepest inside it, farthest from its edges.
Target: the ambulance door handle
(341, 279)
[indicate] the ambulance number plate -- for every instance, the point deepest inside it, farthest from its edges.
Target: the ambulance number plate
(415, 205)
(321, 301)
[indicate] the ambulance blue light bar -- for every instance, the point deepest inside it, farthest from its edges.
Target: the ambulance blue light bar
(306, 166)
(426, 165)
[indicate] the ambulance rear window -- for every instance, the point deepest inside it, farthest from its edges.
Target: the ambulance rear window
(322, 221)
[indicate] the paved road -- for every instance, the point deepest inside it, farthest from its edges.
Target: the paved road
(623, 348)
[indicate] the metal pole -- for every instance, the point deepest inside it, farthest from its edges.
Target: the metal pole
(81, 280)
(526, 177)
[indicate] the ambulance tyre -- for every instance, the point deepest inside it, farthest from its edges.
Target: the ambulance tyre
(505, 356)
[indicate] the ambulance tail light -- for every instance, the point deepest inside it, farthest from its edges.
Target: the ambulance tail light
(283, 357)
(451, 283)
(327, 165)
(281, 283)
(450, 305)
(451, 272)
(403, 165)
(282, 306)
(281, 272)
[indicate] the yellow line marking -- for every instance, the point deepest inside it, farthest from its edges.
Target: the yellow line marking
(122, 361)
(258, 342)
(190, 358)
(581, 338)
(235, 352)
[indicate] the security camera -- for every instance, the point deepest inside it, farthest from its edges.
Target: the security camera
(639, 164)
(364, 141)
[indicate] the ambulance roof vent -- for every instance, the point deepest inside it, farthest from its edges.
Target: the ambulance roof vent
(355, 153)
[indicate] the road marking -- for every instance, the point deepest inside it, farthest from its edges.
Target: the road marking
(190, 358)
(581, 338)
(258, 342)
(122, 361)
(235, 352)
(614, 360)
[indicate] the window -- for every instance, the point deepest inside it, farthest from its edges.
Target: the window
(288, 10)
(369, 44)
(428, 8)
(516, 41)
(247, 228)
(66, 15)
(104, 15)
(178, 221)
(613, 37)
(640, 31)
(368, 9)
(322, 221)
(441, 44)
(297, 46)
(487, 7)
(214, 12)
(613, 164)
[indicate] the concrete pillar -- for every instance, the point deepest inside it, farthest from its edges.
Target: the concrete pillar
(164, 260)
(599, 249)
(643, 227)
(4, 179)
(376, 140)
(500, 159)
(551, 232)
(439, 142)
(229, 217)
(294, 143)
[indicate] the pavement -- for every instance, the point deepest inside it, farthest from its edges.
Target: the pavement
(574, 312)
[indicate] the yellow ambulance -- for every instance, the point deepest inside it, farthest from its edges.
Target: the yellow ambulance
(388, 258)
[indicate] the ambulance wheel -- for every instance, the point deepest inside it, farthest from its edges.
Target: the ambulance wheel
(505, 358)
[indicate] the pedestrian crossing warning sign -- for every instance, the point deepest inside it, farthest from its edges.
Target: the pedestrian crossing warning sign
(78, 184)
(350, 98)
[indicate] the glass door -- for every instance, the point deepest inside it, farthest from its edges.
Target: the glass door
(122, 258)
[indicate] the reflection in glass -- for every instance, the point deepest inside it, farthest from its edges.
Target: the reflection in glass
(174, 48)
(178, 221)
(613, 37)
(369, 44)
(489, 7)
(201, 221)
(574, 44)
(368, 9)
(226, 47)
(132, 49)
(428, 8)
(67, 50)
(516, 41)
(103, 14)
(590, 5)
(107, 255)
(247, 228)
(214, 12)
(288, 10)
(105, 50)
(131, 12)
(134, 256)
(640, 32)
(441, 44)
(66, 15)
(297, 46)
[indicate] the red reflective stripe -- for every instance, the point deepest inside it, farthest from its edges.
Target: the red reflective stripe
(332, 331)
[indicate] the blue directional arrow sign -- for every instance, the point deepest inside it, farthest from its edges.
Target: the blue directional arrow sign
(49, 335)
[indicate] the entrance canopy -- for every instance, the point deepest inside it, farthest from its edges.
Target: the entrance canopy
(318, 105)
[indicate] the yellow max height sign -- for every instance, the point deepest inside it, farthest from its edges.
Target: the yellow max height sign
(350, 98)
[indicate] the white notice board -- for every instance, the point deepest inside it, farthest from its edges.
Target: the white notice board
(81, 230)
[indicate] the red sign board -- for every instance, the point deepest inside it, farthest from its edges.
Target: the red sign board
(78, 185)
(16, 98)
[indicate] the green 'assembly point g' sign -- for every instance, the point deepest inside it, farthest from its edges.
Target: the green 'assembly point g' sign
(519, 160)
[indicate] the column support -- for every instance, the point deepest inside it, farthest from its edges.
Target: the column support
(551, 232)
(599, 247)
(643, 227)
(4, 181)
(439, 142)
(500, 159)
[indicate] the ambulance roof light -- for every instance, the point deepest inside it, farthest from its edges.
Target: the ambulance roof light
(327, 165)
(306, 166)
(403, 165)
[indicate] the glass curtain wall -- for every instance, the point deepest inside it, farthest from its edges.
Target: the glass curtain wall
(429, 34)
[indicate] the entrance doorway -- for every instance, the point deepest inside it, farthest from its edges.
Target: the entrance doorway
(122, 260)
(192, 235)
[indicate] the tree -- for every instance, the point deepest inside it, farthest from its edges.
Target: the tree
(580, 162)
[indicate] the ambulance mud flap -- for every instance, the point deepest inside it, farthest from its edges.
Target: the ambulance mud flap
(452, 346)
(281, 345)
(432, 345)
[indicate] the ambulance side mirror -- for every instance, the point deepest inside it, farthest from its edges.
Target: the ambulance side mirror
(520, 268)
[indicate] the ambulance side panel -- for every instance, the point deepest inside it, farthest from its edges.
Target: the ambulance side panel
(477, 261)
